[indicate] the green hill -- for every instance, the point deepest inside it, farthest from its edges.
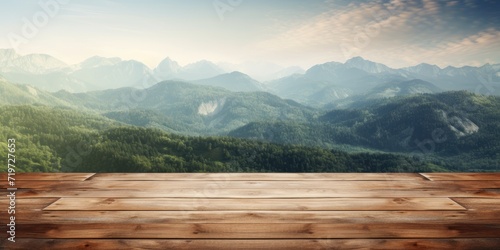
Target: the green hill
(458, 128)
(56, 139)
(188, 108)
(13, 94)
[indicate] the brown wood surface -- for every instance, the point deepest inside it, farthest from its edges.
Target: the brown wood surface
(261, 193)
(259, 244)
(260, 176)
(462, 176)
(144, 217)
(183, 204)
(49, 176)
(255, 211)
(480, 203)
(237, 184)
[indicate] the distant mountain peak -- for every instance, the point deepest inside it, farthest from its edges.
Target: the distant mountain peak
(10, 61)
(7, 53)
(366, 65)
(167, 60)
(357, 59)
(238, 73)
(99, 61)
(202, 63)
(424, 70)
(234, 81)
(167, 69)
(427, 65)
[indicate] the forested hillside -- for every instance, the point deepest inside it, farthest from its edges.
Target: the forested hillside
(54, 139)
(458, 128)
(64, 131)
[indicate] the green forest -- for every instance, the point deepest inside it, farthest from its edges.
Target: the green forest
(182, 127)
(61, 140)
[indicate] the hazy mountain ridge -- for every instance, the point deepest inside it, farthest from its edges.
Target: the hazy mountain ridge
(14, 94)
(188, 108)
(234, 81)
(404, 124)
(362, 78)
(321, 85)
(37, 64)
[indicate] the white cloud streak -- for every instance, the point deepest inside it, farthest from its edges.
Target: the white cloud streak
(397, 33)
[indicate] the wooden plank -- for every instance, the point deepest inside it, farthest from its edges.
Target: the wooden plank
(265, 217)
(175, 184)
(258, 193)
(479, 203)
(258, 231)
(28, 204)
(259, 215)
(49, 176)
(259, 176)
(277, 244)
(166, 204)
(462, 176)
(40, 184)
(207, 185)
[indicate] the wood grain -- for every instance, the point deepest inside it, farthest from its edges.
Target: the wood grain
(258, 244)
(483, 204)
(258, 230)
(259, 176)
(255, 211)
(182, 204)
(462, 176)
(28, 204)
(49, 176)
(265, 217)
(259, 193)
(205, 184)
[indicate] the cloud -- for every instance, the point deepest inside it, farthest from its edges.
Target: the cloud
(399, 33)
(431, 6)
(476, 49)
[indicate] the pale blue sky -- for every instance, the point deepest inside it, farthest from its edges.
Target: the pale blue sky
(287, 32)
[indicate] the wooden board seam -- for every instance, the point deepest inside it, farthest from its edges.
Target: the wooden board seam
(90, 177)
(43, 209)
(425, 177)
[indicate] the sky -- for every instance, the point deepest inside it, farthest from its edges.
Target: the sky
(301, 33)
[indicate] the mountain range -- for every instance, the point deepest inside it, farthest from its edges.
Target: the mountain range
(330, 83)
(454, 130)
(173, 106)
(326, 85)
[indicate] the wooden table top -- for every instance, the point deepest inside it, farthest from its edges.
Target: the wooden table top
(253, 211)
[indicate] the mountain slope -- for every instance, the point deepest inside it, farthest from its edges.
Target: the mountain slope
(360, 77)
(457, 127)
(56, 140)
(49, 139)
(329, 82)
(167, 69)
(482, 80)
(109, 73)
(402, 88)
(189, 107)
(11, 62)
(199, 70)
(234, 81)
(13, 94)
(367, 66)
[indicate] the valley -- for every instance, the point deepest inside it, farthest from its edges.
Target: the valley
(326, 119)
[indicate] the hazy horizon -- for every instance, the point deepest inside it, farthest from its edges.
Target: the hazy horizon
(286, 33)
